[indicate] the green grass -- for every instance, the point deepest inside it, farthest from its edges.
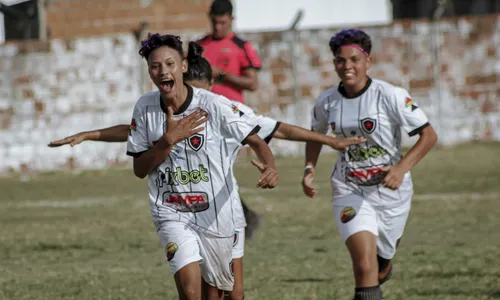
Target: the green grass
(99, 243)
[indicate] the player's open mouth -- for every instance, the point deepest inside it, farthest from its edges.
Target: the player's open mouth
(167, 85)
(349, 75)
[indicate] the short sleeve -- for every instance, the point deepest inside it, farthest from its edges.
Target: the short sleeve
(231, 122)
(319, 117)
(267, 125)
(137, 142)
(250, 59)
(407, 113)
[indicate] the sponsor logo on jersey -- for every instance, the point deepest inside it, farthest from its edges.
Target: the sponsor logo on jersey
(410, 103)
(170, 250)
(196, 141)
(236, 110)
(366, 176)
(358, 153)
(347, 214)
(181, 177)
(368, 124)
(187, 201)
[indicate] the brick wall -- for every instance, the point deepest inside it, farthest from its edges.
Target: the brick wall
(53, 89)
(69, 18)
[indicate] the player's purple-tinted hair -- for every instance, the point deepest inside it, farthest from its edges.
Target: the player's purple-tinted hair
(351, 37)
(156, 40)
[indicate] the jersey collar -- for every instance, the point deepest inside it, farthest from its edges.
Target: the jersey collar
(342, 90)
(229, 36)
(184, 106)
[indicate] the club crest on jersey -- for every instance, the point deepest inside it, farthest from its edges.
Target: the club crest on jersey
(368, 124)
(132, 127)
(196, 141)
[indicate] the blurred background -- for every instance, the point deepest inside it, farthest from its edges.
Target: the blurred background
(75, 222)
(72, 65)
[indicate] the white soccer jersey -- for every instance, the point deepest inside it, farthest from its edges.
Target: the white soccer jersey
(377, 113)
(194, 183)
(268, 127)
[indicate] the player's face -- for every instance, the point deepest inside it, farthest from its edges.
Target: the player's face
(165, 70)
(201, 84)
(221, 25)
(351, 65)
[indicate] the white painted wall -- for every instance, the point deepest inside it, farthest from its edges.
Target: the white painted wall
(271, 15)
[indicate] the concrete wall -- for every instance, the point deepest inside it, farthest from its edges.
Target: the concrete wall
(49, 90)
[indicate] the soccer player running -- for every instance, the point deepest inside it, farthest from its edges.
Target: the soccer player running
(371, 182)
(199, 74)
(235, 63)
(189, 181)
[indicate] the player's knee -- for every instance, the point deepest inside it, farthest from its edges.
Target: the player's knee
(191, 292)
(364, 267)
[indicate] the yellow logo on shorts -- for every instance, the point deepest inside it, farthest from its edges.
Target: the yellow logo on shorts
(170, 250)
(347, 214)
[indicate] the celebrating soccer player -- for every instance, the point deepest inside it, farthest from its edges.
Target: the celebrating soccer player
(371, 182)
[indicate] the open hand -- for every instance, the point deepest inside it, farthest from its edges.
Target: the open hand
(72, 140)
(342, 144)
(179, 130)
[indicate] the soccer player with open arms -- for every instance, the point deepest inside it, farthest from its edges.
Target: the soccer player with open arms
(199, 74)
(371, 182)
(189, 181)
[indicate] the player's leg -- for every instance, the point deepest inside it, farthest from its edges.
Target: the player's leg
(237, 266)
(216, 269)
(253, 220)
(182, 251)
(391, 223)
(357, 223)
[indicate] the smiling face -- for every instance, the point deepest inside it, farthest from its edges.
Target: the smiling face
(166, 67)
(351, 65)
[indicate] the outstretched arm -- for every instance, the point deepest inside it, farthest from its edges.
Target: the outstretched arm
(295, 133)
(118, 133)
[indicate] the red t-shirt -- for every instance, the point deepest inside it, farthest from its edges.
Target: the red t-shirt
(232, 55)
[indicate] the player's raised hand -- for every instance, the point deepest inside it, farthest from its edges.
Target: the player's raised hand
(393, 178)
(268, 175)
(342, 144)
(72, 140)
(179, 130)
(307, 183)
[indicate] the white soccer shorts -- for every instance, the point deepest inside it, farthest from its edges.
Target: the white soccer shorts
(239, 243)
(354, 214)
(184, 245)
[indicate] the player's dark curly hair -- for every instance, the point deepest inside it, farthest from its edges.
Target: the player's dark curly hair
(199, 68)
(351, 36)
(156, 40)
(221, 7)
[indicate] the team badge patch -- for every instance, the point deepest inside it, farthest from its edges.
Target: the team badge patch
(235, 239)
(132, 127)
(231, 267)
(170, 250)
(347, 214)
(332, 126)
(368, 124)
(196, 141)
(410, 103)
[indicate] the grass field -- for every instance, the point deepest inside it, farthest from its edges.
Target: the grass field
(88, 235)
